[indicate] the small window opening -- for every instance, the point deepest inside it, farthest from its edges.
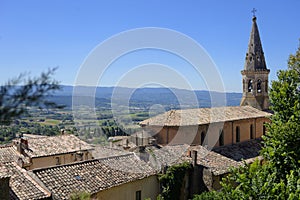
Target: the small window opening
(57, 160)
(221, 138)
(259, 86)
(238, 136)
(138, 195)
(202, 137)
(251, 132)
(250, 86)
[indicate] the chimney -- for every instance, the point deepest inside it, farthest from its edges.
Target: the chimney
(24, 143)
(194, 157)
(21, 145)
(20, 162)
(143, 155)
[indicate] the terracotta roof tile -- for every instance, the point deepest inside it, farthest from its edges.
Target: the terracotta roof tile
(94, 175)
(240, 151)
(215, 162)
(23, 186)
(46, 146)
(204, 116)
(104, 151)
(9, 153)
(167, 156)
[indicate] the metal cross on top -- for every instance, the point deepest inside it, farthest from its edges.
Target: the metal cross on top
(253, 11)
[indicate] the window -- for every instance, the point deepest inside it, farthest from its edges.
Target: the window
(259, 86)
(250, 86)
(221, 138)
(264, 129)
(138, 195)
(57, 160)
(202, 137)
(251, 132)
(237, 134)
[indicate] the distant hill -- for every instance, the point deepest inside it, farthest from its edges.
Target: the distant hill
(143, 97)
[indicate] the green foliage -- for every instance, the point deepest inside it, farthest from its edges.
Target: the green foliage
(256, 181)
(283, 138)
(285, 96)
(281, 148)
(294, 61)
(213, 195)
(172, 181)
(80, 196)
(16, 98)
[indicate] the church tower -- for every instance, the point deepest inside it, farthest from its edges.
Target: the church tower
(255, 73)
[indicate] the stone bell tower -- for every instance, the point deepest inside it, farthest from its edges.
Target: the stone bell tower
(255, 73)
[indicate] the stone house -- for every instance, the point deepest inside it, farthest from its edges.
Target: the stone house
(115, 177)
(49, 151)
(34, 152)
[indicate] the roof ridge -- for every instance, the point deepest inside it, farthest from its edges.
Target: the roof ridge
(6, 145)
(81, 162)
(52, 136)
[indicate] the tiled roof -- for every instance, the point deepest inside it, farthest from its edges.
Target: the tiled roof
(94, 175)
(23, 186)
(215, 162)
(46, 146)
(32, 136)
(167, 155)
(9, 153)
(104, 151)
(240, 151)
(204, 116)
(4, 172)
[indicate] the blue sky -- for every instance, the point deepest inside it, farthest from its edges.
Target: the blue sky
(36, 35)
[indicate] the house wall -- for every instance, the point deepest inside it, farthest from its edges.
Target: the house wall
(47, 161)
(216, 182)
(192, 134)
(178, 135)
(259, 126)
(149, 188)
(211, 181)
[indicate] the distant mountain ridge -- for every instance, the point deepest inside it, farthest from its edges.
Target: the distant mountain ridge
(144, 96)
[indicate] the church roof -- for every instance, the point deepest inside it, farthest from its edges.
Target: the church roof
(255, 59)
(201, 116)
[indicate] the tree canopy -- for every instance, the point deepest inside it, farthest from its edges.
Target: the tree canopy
(20, 93)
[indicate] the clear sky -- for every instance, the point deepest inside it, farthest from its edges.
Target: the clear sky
(36, 35)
